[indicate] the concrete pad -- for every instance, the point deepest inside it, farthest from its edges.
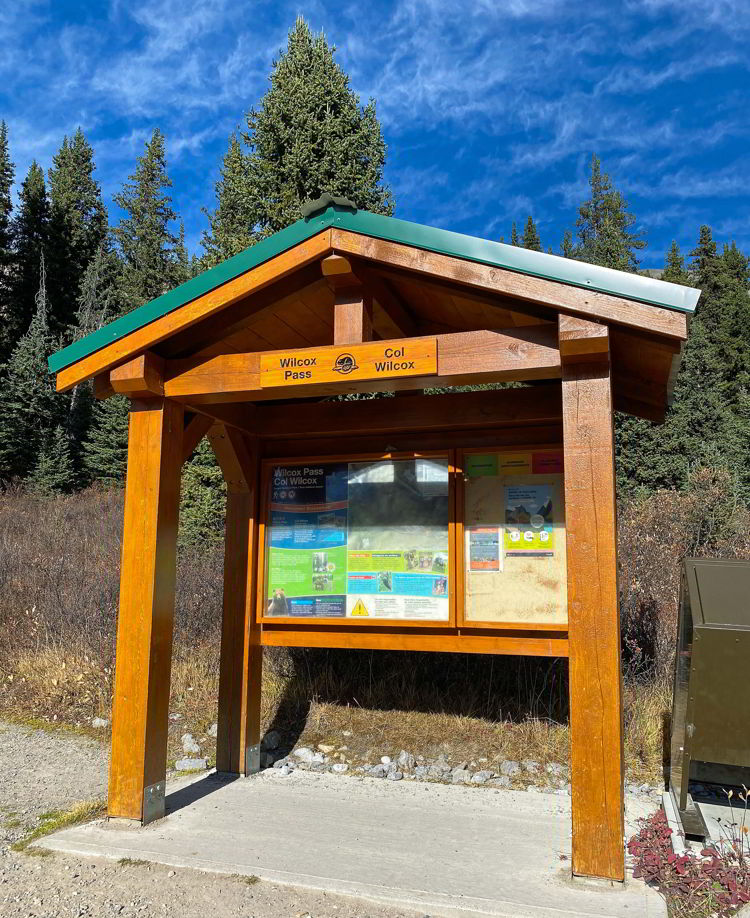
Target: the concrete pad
(448, 850)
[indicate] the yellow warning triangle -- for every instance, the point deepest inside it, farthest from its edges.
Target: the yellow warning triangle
(360, 608)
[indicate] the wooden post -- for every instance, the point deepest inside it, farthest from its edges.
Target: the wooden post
(594, 626)
(140, 713)
(241, 662)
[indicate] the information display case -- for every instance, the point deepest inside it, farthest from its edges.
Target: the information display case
(512, 512)
(361, 539)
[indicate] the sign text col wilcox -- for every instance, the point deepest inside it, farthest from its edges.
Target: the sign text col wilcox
(372, 360)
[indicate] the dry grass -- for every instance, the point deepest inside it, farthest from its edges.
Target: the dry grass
(59, 564)
(59, 819)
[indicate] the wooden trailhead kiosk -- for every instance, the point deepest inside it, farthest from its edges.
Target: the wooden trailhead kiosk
(471, 521)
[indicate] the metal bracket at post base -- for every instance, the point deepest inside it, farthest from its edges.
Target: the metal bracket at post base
(153, 802)
(252, 759)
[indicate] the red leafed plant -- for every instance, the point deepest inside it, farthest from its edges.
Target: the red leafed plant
(715, 882)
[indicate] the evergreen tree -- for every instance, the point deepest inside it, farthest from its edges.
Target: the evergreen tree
(152, 261)
(567, 249)
(308, 135)
(53, 472)
(78, 225)
(531, 236)
(29, 406)
(605, 225)
(105, 451)
(203, 498)
(98, 303)
(514, 240)
(674, 267)
(144, 236)
(231, 228)
(7, 174)
(30, 228)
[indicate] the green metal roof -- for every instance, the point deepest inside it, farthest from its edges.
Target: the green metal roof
(470, 248)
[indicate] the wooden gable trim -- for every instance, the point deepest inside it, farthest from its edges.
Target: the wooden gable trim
(204, 306)
(589, 304)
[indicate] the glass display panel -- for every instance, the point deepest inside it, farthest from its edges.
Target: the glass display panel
(359, 540)
(514, 528)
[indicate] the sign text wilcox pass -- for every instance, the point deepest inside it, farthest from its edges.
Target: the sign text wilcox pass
(373, 360)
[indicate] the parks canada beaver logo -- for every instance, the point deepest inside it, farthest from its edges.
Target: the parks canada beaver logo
(345, 364)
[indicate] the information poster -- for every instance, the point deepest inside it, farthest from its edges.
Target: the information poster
(528, 520)
(514, 525)
(359, 540)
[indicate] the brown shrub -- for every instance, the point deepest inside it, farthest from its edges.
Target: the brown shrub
(655, 533)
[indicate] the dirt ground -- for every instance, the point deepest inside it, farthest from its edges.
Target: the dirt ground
(43, 771)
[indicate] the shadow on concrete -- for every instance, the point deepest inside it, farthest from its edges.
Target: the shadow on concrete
(196, 790)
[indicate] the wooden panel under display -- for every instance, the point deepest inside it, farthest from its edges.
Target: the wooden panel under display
(359, 540)
(511, 543)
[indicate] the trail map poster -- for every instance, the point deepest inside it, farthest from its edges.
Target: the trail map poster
(359, 540)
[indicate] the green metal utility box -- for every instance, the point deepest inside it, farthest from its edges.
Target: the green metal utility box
(710, 739)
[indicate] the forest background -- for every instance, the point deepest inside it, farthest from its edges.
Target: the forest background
(65, 271)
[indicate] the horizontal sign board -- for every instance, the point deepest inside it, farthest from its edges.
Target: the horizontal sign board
(373, 360)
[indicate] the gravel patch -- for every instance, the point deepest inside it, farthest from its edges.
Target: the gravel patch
(41, 771)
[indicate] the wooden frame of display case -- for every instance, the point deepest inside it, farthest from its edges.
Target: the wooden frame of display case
(261, 598)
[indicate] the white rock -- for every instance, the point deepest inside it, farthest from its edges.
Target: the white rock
(100, 722)
(190, 765)
(213, 730)
(346, 733)
(189, 745)
(406, 759)
(326, 748)
(340, 767)
(385, 759)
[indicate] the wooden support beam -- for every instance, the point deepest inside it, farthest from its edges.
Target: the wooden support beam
(594, 624)
(589, 304)
(531, 644)
(241, 660)
(195, 430)
(581, 340)
(463, 358)
(141, 377)
(102, 387)
(138, 762)
(417, 413)
(400, 319)
(352, 316)
(352, 305)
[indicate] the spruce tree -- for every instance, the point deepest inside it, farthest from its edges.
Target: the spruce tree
(531, 236)
(605, 225)
(29, 406)
(144, 236)
(98, 303)
(202, 498)
(674, 268)
(308, 135)
(78, 225)
(7, 174)
(31, 230)
(53, 472)
(514, 240)
(567, 249)
(231, 228)
(105, 450)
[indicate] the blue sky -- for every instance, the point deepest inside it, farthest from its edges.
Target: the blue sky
(491, 110)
